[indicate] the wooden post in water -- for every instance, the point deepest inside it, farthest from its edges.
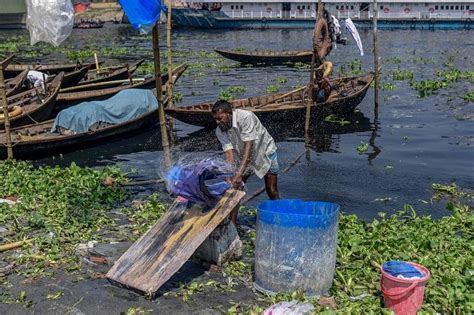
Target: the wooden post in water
(376, 56)
(159, 96)
(4, 103)
(311, 79)
(170, 72)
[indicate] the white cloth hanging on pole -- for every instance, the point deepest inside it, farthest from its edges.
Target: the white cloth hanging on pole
(355, 34)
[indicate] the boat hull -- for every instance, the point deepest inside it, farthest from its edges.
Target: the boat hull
(294, 112)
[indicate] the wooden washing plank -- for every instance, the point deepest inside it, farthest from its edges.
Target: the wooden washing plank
(159, 253)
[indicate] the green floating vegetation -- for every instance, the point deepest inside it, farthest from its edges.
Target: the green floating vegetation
(354, 68)
(469, 96)
(229, 93)
(82, 54)
(454, 75)
(336, 120)
(58, 208)
(428, 87)
(273, 88)
(362, 147)
(402, 75)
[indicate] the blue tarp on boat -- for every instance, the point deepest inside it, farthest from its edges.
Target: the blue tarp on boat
(122, 107)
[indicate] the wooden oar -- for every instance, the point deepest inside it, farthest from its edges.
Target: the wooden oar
(280, 97)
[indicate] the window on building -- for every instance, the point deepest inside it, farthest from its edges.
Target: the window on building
(309, 7)
(241, 7)
(462, 7)
(426, 4)
(347, 7)
(442, 7)
(381, 7)
(352, 7)
(436, 7)
(452, 7)
(467, 7)
(232, 7)
(304, 7)
(298, 7)
(337, 7)
(457, 7)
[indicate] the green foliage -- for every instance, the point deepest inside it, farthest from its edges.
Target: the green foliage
(427, 87)
(402, 75)
(469, 96)
(362, 147)
(334, 119)
(282, 80)
(177, 97)
(137, 311)
(229, 93)
(388, 86)
(58, 208)
(144, 214)
(272, 88)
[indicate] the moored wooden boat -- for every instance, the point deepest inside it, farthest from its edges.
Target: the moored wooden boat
(347, 93)
(74, 77)
(13, 70)
(35, 140)
(271, 57)
(36, 105)
(15, 85)
(108, 74)
(69, 97)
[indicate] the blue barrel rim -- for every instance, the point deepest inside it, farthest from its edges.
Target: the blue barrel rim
(336, 207)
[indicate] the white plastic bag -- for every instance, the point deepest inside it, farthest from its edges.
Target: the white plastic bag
(289, 308)
(49, 21)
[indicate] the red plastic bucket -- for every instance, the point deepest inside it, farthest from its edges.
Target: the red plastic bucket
(404, 296)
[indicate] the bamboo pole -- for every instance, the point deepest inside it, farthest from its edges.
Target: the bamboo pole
(170, 72)
(311, 80)
(159, 96)
(97, 65)
(4, 103)
(376, 56)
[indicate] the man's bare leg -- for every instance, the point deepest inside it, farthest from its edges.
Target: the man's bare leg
(271, 186)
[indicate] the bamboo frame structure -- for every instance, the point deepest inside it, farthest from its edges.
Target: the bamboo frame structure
(4, 103)
(159, 96)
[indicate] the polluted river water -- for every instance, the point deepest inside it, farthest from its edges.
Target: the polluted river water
(370, 162)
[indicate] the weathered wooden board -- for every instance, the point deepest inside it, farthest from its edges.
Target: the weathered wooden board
(159, 254)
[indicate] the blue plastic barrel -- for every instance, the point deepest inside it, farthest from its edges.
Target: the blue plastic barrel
(296, 246)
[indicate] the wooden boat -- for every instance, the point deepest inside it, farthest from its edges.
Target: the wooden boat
(74, 77)
(35, 140)
(15, 85)
(270, 57)
(108, 74)
(346, 95)
(35, 105)
(13, 70)
(69, 97)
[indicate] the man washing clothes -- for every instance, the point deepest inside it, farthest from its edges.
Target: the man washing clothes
(248, 146)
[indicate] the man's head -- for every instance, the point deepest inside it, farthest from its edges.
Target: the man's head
(222, 114)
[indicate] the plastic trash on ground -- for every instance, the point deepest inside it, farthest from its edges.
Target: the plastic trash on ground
(290, 308)
(50, 21)
(201, 181)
